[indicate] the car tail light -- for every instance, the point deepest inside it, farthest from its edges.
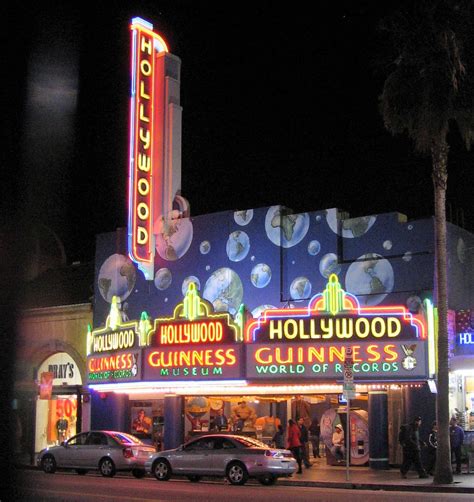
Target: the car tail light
(273, 453)
(128, 453)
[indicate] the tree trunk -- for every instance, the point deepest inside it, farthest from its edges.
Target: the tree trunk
(443, 471)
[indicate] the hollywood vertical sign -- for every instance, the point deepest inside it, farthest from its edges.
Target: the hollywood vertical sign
(146, 141)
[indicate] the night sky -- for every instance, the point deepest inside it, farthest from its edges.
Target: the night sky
(280, 107)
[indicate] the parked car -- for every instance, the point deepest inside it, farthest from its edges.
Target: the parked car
(236, 457)
(107, 451)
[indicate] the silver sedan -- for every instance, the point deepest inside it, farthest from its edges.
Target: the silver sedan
(107, 451)
(236, 457)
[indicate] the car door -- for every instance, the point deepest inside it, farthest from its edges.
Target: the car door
(195, 457)
(95, 448)
(70, 455)
(224, 450)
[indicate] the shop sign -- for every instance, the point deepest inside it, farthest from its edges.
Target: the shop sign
(387, 343)
(62, 368)
(195, 343)
(121, 366)
(464, 344)
(374, 361)
(118, 334)
(193, 363)
(146, 142)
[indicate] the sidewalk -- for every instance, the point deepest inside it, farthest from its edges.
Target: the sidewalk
(362, 478)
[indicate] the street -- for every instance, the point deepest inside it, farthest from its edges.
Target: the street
(67, 486)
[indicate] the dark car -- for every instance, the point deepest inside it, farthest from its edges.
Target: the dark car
(107, 451)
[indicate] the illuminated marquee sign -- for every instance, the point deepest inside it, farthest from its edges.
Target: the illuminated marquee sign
(119, 366)
(146, 141)
(195, 343)
(113, 352)
(464, 344)
(387, 342)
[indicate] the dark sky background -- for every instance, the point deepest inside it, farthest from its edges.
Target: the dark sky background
(280, 107)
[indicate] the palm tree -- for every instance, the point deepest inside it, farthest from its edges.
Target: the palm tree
(429, 88)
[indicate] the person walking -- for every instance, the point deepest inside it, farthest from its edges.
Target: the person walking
(432, 448)
(411, 444)
(315, 431)
(456, 435)
(304, 438)
(294, 442)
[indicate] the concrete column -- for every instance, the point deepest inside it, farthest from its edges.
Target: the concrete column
(174, 422)
(378, 429)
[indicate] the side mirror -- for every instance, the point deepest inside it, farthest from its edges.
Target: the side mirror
(63, 443)
(180, 447)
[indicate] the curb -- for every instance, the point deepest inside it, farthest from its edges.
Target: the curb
(379, 486)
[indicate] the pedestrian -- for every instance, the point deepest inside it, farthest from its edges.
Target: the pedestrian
(409, 438)
(338, 448)
(432, 448)
(279, 438)
(294, 442)
(456, 435)
(304, 438)
(315, 431)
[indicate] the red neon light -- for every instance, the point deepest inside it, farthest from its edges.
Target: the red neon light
(142, 203)
(115, 362)
(192, 357)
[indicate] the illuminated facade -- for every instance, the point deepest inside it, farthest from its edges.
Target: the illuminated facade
(251, 312)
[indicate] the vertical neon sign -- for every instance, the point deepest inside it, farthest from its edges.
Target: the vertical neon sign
(145, 135)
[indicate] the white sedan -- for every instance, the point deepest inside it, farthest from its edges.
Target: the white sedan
(238, 458)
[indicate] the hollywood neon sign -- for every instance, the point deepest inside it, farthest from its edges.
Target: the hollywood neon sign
(194, 322)
(117, 334)
(335, 315)
(146, 142)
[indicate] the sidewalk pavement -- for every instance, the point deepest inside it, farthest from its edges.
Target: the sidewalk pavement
(363, 478)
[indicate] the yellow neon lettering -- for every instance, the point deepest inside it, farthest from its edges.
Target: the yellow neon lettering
(143, 211)
(259, 353)
(146, 45)
(293, 333)
(145, 67)
(142, 235)
(378, 332)
(394, 327)
(366, 327)
(275, 330)
(145, 137)
(326, 326)
(142, 116)
(143, 186)
(143, 94)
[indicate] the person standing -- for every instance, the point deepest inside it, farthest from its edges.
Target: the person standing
(294, 442)
(304, 438)
(279, 438)
(456, 435)
(411, 445)
(432, 448)
(315, 431)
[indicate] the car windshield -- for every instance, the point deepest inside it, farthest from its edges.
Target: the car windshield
(123, 438)
(248, 442)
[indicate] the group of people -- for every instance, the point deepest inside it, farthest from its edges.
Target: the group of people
(411, 443)
(297, 438)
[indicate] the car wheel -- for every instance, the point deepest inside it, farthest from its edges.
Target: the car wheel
(237, 473)
(162, 470)
(81, 472)
(194, 479)
(267, 480)
(138, 473)
(107, 467)
(48, 464)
